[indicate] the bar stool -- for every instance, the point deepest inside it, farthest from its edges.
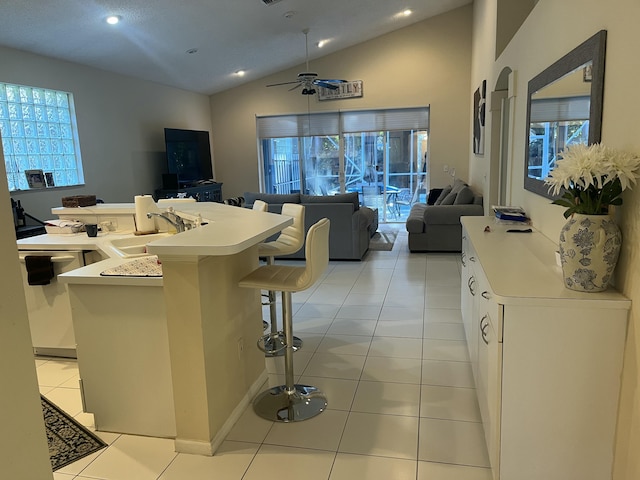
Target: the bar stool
(292, 402)
(260, 206)
(289, 241)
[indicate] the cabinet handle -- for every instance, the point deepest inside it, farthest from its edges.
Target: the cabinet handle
(486, 295)
(462, 255)
(471, 283)
(483, 329)
(473, 259)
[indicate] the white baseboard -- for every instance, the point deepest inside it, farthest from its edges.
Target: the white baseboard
(196, 447)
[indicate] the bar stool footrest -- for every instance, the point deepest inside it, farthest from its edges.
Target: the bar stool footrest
(274, 345)
(278, 404)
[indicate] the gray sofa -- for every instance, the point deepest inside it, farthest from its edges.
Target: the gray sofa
(435, 226)
(352, 225)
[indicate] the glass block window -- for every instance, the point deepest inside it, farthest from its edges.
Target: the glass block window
(39, 132)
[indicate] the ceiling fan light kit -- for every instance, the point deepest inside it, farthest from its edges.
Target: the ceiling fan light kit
(309, 80)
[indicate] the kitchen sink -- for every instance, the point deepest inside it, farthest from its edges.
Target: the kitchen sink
(136, 245)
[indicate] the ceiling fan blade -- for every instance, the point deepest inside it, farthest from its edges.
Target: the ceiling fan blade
(325, 84)
(297, 86)
(283, 83)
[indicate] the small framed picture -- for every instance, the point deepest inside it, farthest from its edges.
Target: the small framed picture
(35, 178)
(48, 176)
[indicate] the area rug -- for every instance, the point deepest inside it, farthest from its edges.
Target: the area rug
(383, 240)
(68, 440)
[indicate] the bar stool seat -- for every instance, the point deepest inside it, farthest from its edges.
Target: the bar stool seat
(289, 241)
(292, 402)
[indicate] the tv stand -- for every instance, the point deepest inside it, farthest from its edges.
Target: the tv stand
(207, 192)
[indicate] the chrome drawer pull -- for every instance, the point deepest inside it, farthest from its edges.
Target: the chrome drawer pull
(486, 295)
(483, 329)
(471, 283)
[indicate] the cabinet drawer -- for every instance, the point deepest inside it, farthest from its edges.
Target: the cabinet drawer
(486, 302)
(489, 389)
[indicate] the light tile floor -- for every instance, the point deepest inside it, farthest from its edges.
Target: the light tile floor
(384, 341)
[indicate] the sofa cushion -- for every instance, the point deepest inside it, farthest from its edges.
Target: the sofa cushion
(341, 198)
(449, 199)
(458, 185)
(271, 198)
(464, 197)
(445, 191)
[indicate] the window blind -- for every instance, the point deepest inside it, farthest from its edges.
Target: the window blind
(286, 126)
(560, 109)
(385, 120)
(335, 123)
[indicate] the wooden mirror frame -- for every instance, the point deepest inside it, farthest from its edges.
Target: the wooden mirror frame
(592, 50)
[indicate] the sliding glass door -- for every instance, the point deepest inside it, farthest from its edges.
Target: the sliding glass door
(388, 168)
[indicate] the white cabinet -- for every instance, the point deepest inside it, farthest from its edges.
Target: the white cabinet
(547, 360)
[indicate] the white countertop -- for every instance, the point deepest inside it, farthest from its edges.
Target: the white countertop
(72, 241)
(522, 266)
(229, 230)
(98, 209)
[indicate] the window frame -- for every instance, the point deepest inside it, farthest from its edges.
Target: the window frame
(39, 132)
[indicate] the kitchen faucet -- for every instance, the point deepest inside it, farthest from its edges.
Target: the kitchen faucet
(177, 221)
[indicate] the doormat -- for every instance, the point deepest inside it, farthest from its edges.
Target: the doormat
(383, 241)
(68, 440)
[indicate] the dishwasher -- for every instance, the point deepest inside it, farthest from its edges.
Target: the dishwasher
(48, 305)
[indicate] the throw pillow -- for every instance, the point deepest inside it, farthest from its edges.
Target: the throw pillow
(449, 199)
(434, 193)
(464, 197)
(458, 185)
(445, 191)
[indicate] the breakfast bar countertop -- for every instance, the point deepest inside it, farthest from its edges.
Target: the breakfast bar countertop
(229, 230)
(226, 230)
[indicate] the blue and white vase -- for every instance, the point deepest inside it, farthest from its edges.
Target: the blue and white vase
(589, 249)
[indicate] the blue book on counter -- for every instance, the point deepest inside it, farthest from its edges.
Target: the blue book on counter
(512, 214)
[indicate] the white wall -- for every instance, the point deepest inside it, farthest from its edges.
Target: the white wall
(121, 125)
(23, 443)
(553, 29)
(427, 63)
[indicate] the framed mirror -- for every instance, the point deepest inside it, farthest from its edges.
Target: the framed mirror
(564, 107)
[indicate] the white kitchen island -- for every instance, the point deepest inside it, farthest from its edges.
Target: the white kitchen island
(207, 318)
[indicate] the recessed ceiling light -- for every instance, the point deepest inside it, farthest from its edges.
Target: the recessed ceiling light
(191, 51)
(407, 12)
(113, 19)
(240, 73)
(322, 43)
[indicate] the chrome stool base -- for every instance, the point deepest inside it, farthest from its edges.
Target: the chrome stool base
(274, 345)
(278, 404)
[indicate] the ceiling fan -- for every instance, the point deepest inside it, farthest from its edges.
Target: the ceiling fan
(309, 80)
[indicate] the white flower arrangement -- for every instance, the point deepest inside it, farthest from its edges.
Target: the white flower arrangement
(593, 177)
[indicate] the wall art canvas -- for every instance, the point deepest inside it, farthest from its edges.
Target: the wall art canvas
(479, 107)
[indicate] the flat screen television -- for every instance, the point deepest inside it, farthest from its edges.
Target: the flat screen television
(188, 155)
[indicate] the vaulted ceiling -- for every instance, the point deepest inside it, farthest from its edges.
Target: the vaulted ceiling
(199, 45)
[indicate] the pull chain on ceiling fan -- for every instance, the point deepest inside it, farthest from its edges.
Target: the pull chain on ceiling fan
(309, 80)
